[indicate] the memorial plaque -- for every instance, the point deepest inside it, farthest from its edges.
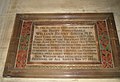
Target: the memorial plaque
(64, 45)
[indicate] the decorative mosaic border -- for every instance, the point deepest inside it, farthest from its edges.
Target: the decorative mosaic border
(103, 39)
(23, 46)
(104, 44)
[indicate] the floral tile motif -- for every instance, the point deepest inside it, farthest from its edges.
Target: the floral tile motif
(103, 38)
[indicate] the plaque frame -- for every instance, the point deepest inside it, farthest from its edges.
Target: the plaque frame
(83, 70)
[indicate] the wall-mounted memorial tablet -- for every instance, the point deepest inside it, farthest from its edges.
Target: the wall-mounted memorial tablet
(64, 45)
